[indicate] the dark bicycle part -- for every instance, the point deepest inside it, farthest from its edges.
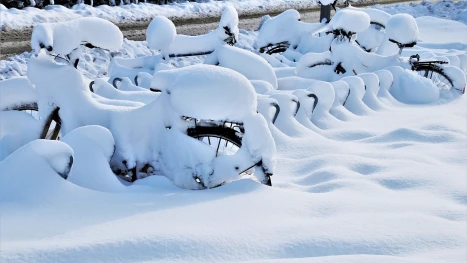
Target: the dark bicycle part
(311, 95)
(190, 54)
(377, 24)
(90, 86)
(340, 69)
(402, 46)
(231, 39)
(53, 116)
(346, 98)
(275, 48)
(435, 73)
(326, 62)
(115, 81)
(297, 107)
(276, 114)
(340, 34)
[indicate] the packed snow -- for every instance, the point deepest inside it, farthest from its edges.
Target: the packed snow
(368, 157)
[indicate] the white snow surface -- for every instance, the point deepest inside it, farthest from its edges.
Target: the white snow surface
(376, 194)
(207, 92)
(161, 33)
(350, 21)
(402, 28)
(63, 37)
(374, 180)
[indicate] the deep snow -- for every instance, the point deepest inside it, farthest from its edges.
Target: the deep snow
(383, 182)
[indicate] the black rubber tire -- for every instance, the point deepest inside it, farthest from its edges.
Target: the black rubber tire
(222, 132)
(435, 74)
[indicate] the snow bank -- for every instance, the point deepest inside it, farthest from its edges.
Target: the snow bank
(63, 37)
(402, 28)
(160, 33)
(207, 92)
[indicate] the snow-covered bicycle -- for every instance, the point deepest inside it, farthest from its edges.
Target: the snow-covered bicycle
(347, 58)
(201, 131)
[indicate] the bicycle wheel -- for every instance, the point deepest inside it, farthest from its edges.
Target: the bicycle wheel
(225, 138)
(436, 74)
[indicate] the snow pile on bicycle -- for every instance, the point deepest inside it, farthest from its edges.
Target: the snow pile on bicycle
(209, 111)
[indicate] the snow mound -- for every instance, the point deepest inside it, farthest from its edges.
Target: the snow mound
(64, 37)
(207, 92)
(106, 90)
(35, 170)
(160, 33)
(229, 20)
(279, 28)
(376, 16)
(226, 31)
(93, 147)
(17, 128)
(402, 28)
(409, 87)
(245, 62)
(350, 21)
(17, 93)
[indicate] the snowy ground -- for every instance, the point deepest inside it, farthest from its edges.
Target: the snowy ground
(389, 186)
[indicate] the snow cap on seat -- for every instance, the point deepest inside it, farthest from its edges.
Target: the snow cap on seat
(161, 33)
(63, 37)
(350, 21)
(402, 28)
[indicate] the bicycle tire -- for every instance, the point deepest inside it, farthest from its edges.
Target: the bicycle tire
(219, 132)
(436, 74)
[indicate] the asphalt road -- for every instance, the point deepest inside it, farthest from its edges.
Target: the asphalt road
(17, 41)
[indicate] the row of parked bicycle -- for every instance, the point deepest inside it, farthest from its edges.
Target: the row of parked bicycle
(319, 74)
